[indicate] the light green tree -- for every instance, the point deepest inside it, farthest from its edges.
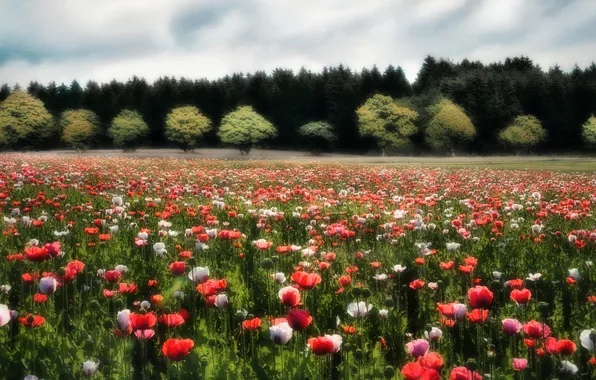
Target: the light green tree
(448, 128)
(589, 132)
(244, 127)
(79, 127)
(525, 132)
(185, 126)
(128, 130)
(319, 134)
(389, 124)
(24, 121)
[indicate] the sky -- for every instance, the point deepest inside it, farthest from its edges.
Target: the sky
(101, 40)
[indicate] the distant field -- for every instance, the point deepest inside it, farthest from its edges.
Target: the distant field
(562, 163)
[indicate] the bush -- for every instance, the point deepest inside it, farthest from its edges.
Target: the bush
(589, 132)
(319, 134)
(185, 126)
(24, 121)
(389, 124)
(128, 130)
(79, 127)
(449, 128)
(525, 132)
(244, 127)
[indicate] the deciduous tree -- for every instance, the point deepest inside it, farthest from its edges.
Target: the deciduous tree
(244, 128)
(449, 128)
(185, 126)
(24, 121)
(79, 127)
(128, 130)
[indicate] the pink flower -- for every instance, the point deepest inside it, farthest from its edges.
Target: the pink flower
(519, 364)
(511, 326)
(418, 347)
(144, 334)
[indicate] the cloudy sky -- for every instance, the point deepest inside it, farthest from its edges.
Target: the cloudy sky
(62, 40)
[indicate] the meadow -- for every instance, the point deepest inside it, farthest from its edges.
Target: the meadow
(117, 267)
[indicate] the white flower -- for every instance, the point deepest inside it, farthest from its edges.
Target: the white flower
(536, 228)
(433, 285)
(143, 235)
(31, 377)
(121, 268)
(459, 311)
(434, 334)
(281, 334)
(34, 242)
(307, 252)
(381, 277)
(4, 315)
(123, 319)
(5, 289)
(117, 201)
(572, 238)
(279, 277)
(384, 313)
(221, 300)
(212, 233)
(178, 294)
(586, 340)
(90, 367)
(199, 274)
(399, 268)
(159, 248)
(452, 247)
(336, 339)
(359, 309)
(497, 275)
(574, 274)
(568, 368)
(146, 305)
(534, 276)
(113, 229)
(589, 263)
(164, 224)
(47, 285)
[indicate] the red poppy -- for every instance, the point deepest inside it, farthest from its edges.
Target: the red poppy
(156, 299)
(345, 281)
(416, 284)
(480, 297)
(521, 297)
(177, 349)
(321, 345)
(171, 320)
(432, 360)
(448, 265)
(142, 321)
(289, 296)
(39, 298)
(306, 280)
(471, 261)
(31, 320)
(252, 324)
(561, 347)
(127, 288)
(177, 268)
(299, 319)
(36, 254)
(462, 373)
(211, 287)
(109, 293)
(467, 269)
(112, 276)
(536, 329)
(516, 283)
(478, 315)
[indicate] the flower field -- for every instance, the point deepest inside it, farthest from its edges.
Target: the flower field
(118, 268)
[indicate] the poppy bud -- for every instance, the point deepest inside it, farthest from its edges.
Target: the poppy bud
(358, 354)
(428, 327)
(62, 272)
(471, 365)
(356, 292)
(389, 302)
(347, 347)
(94, 305)
(275, 259)
(142, 311)
(239, 317)
(267, 264)
(250, 316)
(108, 324)
(543, 307)
(389, 372)
(118, 304)
(192, 262)
(495, 285)
(167, 310)
(366, 293)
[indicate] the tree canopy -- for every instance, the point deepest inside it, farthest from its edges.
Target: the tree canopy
(128, 129)
(79, 127)
(525, 132)
(449, 128)
(185, 126)
(244, 128)
(24, 121)
(589, 131)
(319, 134)
(389, 124)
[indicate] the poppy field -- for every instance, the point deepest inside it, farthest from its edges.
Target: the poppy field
(158, 268)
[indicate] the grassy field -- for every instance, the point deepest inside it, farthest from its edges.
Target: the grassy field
(559, 163)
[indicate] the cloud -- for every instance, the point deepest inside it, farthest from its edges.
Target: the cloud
(43, 40)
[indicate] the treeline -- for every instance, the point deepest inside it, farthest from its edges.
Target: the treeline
(493, 96)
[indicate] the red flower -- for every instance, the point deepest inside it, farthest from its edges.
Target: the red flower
(536, 330)
(414, 371)
(478, 315)
(462, 373)
(322, 345)
(112, 276)
(36, 254)
(211, 287)
(252, 324)
(448, 265)
(299, 319)
(171, 320)
(432, 360)
(127, 288)
(480, 297)
(177, 349)
(31, 320)
(109, 293)
(467, 269)
(516, 284)
(561, 347)
(306, 280)
(156, 299)
(416, 284)
(345, 281)
(142, 321)
(471, 261)
(289, 296)
(521, 297)
(177, 268)
(39, 298)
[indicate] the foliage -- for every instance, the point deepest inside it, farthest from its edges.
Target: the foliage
(185, 126)
(24, 121)
(524, 132)
(244, 128)
(449, 127)
(320, 135)
(589, 131)
(79, 127)
(389, 124)
(128, 129)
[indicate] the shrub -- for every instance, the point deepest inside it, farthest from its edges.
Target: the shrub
(185, 126)
(244, 127)
(128, 130)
